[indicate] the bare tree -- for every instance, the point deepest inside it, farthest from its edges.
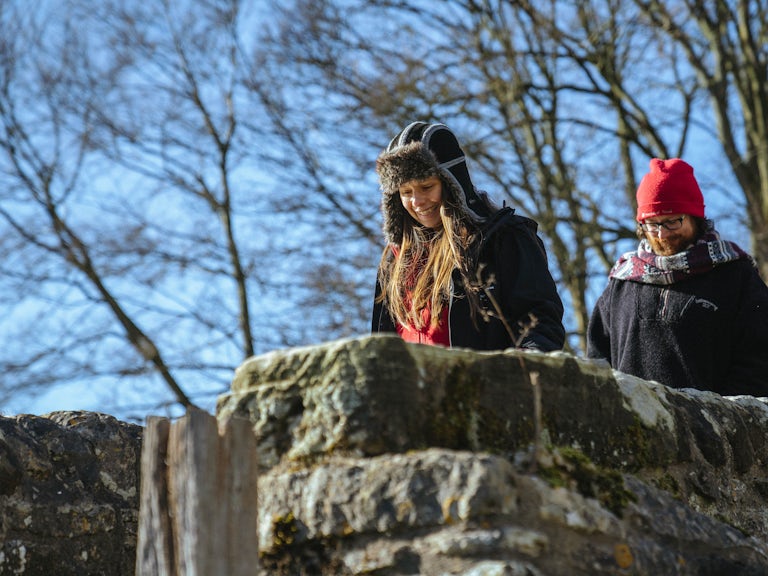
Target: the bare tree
(678, 77)
(184, 184)
(561, 103)
(174, 225)
(47, 146)
(186, 142)
(726, 45)
(153, 226)
(496, 77)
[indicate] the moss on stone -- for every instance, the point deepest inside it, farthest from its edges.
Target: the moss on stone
(469, 414)
(572, 468)
(668, 483)
(641, 448)
(455, 422)
(284, 529)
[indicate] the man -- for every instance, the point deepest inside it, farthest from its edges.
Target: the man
(686, 308)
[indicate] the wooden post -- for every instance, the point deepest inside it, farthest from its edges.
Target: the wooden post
(155, 544)
(198, 506)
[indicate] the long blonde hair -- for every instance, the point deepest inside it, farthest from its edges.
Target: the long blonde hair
(418, 273)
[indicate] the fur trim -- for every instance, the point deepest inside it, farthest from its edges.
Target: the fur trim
(410, 162)
(422, 150)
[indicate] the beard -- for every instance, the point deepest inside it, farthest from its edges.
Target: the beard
(669, 245)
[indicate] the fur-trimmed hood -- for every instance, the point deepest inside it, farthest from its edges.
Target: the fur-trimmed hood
(420, 151)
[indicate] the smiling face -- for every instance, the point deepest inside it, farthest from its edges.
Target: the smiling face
(422, 199)
(666, 242)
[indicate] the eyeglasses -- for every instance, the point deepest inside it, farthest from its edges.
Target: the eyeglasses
(673, 224)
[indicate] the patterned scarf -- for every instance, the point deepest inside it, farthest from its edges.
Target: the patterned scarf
(642, 265)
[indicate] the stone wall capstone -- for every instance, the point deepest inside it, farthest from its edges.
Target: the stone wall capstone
(389, 458)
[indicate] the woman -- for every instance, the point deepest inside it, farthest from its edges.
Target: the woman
(457, 270)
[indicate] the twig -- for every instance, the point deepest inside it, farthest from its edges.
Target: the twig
(531, 377)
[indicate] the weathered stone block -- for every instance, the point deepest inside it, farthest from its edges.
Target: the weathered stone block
(627, 461)
(379, 394)
(68, 494)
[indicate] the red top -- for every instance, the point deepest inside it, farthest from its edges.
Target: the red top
(428, 335)
(440, 335)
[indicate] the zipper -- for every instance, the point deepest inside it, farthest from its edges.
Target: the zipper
(664, 297)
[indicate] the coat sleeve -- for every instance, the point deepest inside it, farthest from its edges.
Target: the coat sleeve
(528, 290)
(381, 321)
(599, 328)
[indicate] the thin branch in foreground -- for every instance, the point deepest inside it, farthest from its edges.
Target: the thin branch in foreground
(531, 377)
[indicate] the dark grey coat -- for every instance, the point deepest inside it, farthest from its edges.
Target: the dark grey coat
(708, 332)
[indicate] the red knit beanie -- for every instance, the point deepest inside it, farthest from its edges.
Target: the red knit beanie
(669, 188)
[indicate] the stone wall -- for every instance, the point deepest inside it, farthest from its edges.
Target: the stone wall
(385, 458)
(68, 495)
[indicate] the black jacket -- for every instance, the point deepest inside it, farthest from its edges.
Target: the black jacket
(708, 332)
(512, 255)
